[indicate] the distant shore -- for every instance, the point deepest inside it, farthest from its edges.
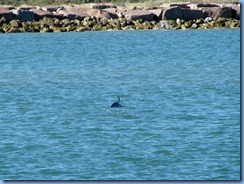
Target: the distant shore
(101, 17)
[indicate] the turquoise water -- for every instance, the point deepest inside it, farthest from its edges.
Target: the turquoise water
(180, 91)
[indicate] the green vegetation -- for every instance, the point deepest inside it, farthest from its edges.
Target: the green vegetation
(116, 2)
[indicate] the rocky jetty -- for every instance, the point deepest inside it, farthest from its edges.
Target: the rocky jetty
(96, 17)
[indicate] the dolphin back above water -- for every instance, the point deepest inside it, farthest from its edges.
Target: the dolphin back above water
(117, 104)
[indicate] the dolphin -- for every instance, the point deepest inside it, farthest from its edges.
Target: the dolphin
(117, 104)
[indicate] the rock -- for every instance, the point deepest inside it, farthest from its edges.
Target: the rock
(26, 7)
(201, 5)
(236, 13)
(3, 21)
(166, 24)
(6, 28)
(234, 23)
(180, 4)
(15, 23)
(70, 28)
(220, 22)
(7, 7)
(208, 19)
(139, 14)
(189, 14)
(65, 22)
(194, 26)
(24, 15)
(40, 14)
(199, 21)
(216, 12)
(45, 30)
(188, 23)
(8, 15)
(79, 12)
(183, 27)
(81, 28)
(58, 16)
(52, 8)
(158, 12)
(172, 13)
(178, 22)
(73, 15)
(114, 12)
(101, 14)
(14, 30)
(102, 6)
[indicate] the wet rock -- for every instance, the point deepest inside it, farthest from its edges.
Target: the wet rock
(167, 24)
(14, 30)
(81, 28)
(183, 27)
(65, 22)
(232, 23)
(6, 28)
(188, 24)
(70, 28)
(194, 26)
(199, 21)
(45, 30)
(15, 23)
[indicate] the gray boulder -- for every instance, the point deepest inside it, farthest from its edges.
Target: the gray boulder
(217, 12)
(24, 15)
(102, 14)
(40, 14)
(181, 5)
(201, 5)
(8, 15)
(102, 6)
(73, 15)
(189, 14)
(139, 14)
(7, 7)
(52, 8)
(158, 12)
(26, 7)
(172, 13)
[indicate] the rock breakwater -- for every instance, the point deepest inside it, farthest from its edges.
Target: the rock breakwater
(97, 17)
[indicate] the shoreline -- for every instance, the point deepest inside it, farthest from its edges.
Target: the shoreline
(106, 17)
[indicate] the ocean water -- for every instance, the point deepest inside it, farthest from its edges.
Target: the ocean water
(180, 92)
